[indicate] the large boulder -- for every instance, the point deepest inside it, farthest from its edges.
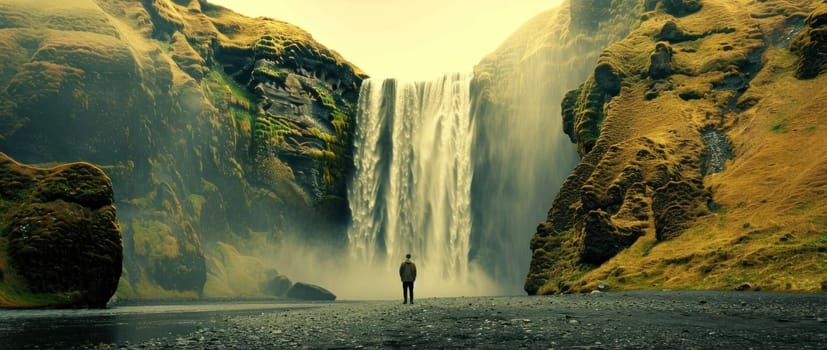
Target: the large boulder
(278, 286)
(306, 291)
(60, 241)
(673, 33)
(660, 61)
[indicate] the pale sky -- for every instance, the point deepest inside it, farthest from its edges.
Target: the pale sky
(408, 39)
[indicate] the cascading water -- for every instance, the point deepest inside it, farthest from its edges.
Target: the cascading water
(412, 182)
(521, 158)
(458, 171)
(521, 154)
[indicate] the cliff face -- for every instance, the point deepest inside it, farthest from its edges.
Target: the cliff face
(60, 243)
(520, 153)
(702, 155)
(215, 128)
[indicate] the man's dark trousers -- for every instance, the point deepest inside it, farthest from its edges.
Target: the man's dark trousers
(407, 288)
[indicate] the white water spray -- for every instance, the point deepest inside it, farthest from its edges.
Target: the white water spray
(412, 182)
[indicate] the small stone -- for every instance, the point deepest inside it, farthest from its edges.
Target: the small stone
(746, 225)
(744, 286)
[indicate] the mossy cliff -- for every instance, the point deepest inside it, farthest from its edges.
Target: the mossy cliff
(520, 153)
(60, 243)
(702, 154)
(215, 128)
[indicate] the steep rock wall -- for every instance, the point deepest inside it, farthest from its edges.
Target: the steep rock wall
(655, 200)
(214, 127)
(520, 154)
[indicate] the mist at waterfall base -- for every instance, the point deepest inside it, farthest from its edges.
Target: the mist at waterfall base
(411, 187)
(462, 190)
(459, 183)
(457, 175)
(410, 193)
(415, 157)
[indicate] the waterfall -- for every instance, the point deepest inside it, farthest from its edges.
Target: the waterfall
(521, 158)
(460, 174)
(411, 188)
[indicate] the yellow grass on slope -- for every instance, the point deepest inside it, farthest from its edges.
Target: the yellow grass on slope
(769, 229)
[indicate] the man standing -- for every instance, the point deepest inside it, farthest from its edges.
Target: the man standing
(407, 272)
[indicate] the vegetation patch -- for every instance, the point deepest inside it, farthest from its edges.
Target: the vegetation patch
(60, 245)
(648, 247)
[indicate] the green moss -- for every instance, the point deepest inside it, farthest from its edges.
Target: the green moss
(721, 213)
(583, 115)
(223, 91)
(23, 298)
(266, 73)
(321, 155)
(231, 98)
(274, 129)
(266, 47)
(68, 209)
(145, 201)
(62, 72)
(150, 238)
(648, 247)
(324, 95)
(197, 202)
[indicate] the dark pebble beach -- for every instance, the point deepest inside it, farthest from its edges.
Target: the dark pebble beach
(616, 320)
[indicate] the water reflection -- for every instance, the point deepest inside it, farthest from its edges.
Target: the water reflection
(63, 329)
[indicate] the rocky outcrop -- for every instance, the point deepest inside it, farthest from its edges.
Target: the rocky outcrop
(582, 111)
(308, 100)
(654, 125)
(660, 62)
(670, 32)
(675, 7)
(306, 291)
(811, 44)
(60, 242)
(214, 127)
(278, 286)
(520, 153)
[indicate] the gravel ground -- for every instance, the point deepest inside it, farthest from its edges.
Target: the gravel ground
(627, 320)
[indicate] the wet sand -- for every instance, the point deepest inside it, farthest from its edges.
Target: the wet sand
(622, 320)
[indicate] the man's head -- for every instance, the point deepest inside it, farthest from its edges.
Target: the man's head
(408, 256)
